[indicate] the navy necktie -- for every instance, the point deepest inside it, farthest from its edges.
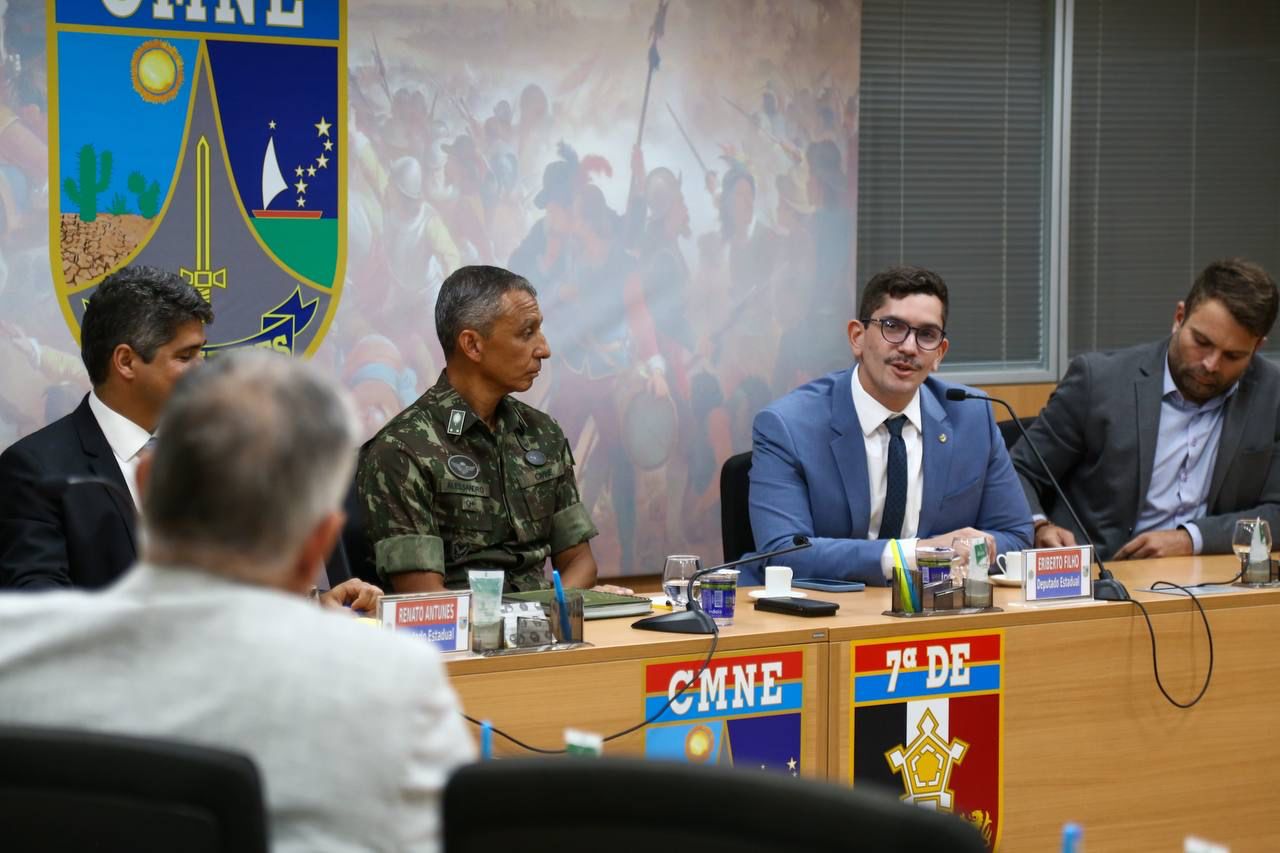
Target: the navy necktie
(895, 496)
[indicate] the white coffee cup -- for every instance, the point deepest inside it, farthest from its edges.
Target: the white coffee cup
(777, 580)
(1011, 562)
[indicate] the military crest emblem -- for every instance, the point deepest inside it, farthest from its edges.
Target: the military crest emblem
(927, 720)
(205, 138)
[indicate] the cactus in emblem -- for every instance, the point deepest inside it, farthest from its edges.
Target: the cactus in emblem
(148, 196)
(95, 177)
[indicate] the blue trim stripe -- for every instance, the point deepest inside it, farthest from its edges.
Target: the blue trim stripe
(912, 685)
(792, 700)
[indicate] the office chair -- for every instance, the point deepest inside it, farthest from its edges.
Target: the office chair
(735, 512)
(626, 805)
(64, 790)
(355, 535)
(1010, 433)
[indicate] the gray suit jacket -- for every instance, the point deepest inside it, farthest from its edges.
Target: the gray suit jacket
(354, 730)
(1098, 434)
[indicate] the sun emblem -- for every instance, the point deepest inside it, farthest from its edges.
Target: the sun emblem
(698, 744)
(926, 765)
(157, 71)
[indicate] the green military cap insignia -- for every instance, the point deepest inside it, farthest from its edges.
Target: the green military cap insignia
(535, 458)
(457, 418)
(463, 467)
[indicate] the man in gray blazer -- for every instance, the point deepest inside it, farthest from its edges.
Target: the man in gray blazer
(1162, 447)
(211, 640)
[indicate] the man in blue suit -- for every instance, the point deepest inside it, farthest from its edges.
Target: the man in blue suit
(877, 452)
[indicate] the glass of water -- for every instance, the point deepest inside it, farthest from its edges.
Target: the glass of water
(675, 578)
(1242, 543)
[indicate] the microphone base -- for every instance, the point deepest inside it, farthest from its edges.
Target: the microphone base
(682, 622)
(1109, 589)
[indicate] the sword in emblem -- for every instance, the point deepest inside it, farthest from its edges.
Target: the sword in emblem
(204, 277)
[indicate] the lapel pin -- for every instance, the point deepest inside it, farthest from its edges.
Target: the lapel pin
(942, 437)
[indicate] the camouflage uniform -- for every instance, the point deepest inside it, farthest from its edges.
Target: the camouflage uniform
(444, 493)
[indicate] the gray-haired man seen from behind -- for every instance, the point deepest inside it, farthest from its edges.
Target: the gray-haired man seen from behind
(209, 638)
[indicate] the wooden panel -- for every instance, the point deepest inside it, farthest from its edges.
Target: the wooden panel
(1027, 400)
(1089, 738)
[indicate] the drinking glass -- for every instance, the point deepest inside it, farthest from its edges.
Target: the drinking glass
(1242, 544)
(675, 578)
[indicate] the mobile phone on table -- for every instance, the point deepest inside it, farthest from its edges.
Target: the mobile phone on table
(828, 585)
(797, 606)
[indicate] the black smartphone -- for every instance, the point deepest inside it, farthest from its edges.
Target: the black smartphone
(797, 606)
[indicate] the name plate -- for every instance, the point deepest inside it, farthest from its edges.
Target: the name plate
(1058, 574)
(442, 618)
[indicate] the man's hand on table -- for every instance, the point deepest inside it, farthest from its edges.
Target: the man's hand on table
(1050, 535)
(608, 587)
(1156, 543)
(946, 540)
(355, 593)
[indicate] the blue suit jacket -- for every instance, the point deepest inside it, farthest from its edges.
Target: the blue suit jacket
(809, 476)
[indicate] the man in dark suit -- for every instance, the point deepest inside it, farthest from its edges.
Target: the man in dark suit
(877, 451)
(143, 328)
(1162, 447)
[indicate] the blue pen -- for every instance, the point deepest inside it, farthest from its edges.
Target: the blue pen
(486, 740)
(1072, 836)
(566, 635)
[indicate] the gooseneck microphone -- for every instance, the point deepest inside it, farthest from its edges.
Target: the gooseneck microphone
(1105, 587)
(694, 620)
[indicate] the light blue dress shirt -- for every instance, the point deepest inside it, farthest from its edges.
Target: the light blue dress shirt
(1186, 447)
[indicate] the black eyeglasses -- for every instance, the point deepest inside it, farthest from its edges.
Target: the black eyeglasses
(896, 332)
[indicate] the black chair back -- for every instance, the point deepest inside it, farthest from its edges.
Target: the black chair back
(64, 790)
(636, 806)
(355, 536)
(1010, 433)
(735, 507)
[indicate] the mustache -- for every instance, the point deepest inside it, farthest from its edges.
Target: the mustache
(906, 361)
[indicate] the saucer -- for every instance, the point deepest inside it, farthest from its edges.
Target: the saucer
(764, 593)
(1003, 580)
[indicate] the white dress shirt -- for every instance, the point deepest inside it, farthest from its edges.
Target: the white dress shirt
(875, 436)
(126, 438)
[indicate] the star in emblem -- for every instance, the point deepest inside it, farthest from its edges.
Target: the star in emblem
(311, 171)
(791, 765)
(300, 186)
(323, 126)
(298, 171)
(302, 202)
(271, 125)
(322, 161)
(328, 145)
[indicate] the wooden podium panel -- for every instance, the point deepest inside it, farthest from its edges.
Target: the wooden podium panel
(1087, 736)
(603, 689)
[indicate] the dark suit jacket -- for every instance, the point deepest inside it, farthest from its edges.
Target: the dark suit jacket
(56, 534)
(1098, 435)
(809, 476)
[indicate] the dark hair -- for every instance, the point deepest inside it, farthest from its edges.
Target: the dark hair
(897, 282)
(139, 306)
(1244, 288)
(471, 298)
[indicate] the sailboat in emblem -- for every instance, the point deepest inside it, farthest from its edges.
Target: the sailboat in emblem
(273, 183)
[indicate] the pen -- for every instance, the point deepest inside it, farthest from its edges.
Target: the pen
(566, 635)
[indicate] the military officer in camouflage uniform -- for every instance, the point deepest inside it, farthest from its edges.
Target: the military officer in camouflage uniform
(468, 477)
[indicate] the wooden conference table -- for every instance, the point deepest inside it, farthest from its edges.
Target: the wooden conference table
(1030, 717)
